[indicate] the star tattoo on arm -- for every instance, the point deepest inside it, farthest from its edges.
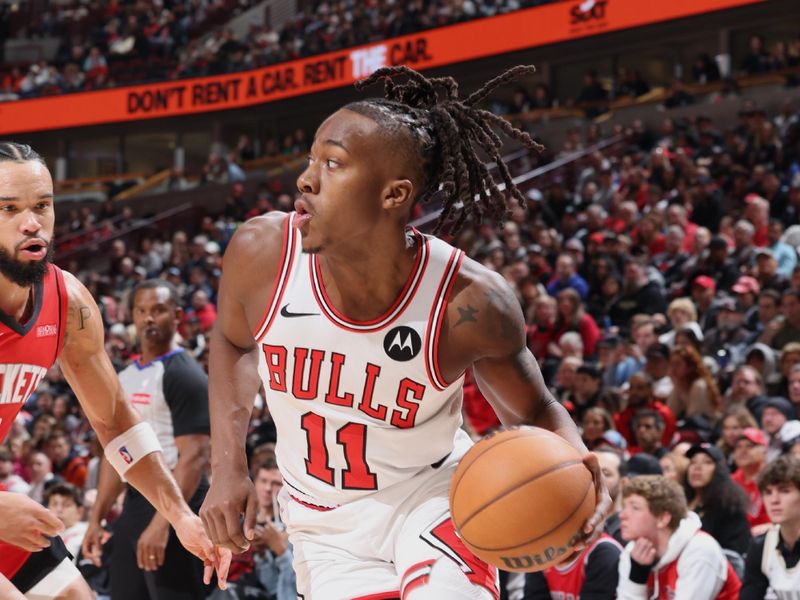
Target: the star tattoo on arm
(466, 314)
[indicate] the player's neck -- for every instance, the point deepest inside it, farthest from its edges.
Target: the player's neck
(365, 281)
(15, 300)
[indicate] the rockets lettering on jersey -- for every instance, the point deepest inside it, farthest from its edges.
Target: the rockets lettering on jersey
(366, 400)
(28, 349)
(18, 381)
(16, 384)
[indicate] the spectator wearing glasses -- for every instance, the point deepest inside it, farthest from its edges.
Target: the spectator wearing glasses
(750, 454)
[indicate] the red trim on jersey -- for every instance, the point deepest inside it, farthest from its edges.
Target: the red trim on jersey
(63, 306)
(279, 287)
(421, 573)
(312, 506)
(402, 301)
(11, 559)
(381, 596)
(434, 321)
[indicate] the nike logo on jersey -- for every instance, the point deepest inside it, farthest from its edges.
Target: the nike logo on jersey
(285, 313)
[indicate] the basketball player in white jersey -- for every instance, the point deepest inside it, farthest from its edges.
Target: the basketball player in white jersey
(360, 329)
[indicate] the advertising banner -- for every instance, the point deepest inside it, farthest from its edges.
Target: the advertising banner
(539, 26)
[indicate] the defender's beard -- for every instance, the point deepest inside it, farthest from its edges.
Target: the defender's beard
(25, 273)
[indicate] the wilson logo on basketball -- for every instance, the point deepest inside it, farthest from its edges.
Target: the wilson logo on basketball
(46, 331)
(402, 343)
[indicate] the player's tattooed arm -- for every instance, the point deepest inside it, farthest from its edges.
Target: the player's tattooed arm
(466, 315)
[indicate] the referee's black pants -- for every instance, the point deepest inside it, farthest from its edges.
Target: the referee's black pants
(181, 575)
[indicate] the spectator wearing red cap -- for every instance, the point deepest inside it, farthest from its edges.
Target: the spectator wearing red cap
(750, 455)
(704, 289)
(746, 290)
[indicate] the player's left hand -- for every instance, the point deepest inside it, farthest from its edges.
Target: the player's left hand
(152, 544)
(594, 524)
(215, 558)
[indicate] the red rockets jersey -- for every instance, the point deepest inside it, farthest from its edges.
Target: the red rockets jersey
(27, 351)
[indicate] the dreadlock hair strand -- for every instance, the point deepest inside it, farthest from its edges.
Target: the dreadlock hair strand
(448, 133)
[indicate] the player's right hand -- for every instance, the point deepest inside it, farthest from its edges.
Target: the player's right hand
(231, 497)
(92, 546)
(26, 522)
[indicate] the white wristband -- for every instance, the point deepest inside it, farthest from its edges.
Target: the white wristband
(131, 446)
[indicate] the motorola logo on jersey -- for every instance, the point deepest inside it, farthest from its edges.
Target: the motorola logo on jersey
(402, 343)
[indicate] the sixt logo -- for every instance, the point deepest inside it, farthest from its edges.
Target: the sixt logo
(402, 343)
(588, 10)
(126, 456)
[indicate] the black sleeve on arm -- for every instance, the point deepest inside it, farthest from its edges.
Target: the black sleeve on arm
(536, 587)
(602, 573)
(754, 582)
(186, 393)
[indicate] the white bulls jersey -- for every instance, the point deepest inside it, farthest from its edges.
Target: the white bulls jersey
(358, 406)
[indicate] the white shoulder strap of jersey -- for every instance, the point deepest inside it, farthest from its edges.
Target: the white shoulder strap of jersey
(770, 543)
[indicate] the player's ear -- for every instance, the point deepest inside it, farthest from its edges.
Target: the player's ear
(398, 193)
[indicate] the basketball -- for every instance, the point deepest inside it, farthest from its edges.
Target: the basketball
(520, 497)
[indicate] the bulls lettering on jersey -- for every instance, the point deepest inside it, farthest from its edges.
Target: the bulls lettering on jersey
(365, 399)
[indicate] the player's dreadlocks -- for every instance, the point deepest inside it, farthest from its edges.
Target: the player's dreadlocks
(447, 130)
(12, 151)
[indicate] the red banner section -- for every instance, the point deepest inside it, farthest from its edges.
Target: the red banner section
(552, 23)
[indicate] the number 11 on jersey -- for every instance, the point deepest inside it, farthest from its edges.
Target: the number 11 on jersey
(352, 437)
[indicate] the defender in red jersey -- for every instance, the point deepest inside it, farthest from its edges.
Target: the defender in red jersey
(47, 314)
(385, 321)
(668, 557)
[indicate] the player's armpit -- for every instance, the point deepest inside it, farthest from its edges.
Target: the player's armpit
(250, 266)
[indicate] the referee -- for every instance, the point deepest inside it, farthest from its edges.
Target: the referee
(170, 391)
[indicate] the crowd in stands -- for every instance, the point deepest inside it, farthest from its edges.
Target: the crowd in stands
(108, 44)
